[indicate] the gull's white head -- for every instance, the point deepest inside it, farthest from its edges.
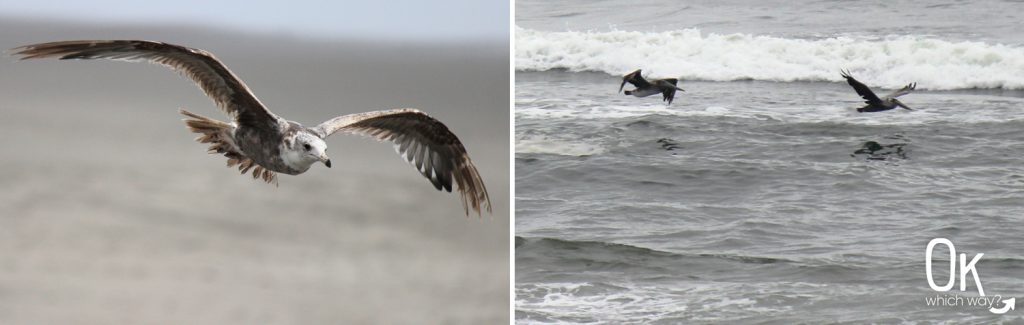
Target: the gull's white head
(306, 149)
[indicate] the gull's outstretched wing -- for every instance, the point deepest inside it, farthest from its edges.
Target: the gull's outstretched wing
(909, 88)
(634, 78)
(226, 89)
(425, 142)
(862, 90)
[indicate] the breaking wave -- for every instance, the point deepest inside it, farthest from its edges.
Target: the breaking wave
(889, 62)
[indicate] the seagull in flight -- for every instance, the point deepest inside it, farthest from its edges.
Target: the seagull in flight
(666, 87)
(259, 140)
(875, 104)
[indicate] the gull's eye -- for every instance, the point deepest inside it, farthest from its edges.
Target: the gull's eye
(307, 146)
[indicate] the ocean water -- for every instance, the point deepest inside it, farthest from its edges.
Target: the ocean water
(761, 195)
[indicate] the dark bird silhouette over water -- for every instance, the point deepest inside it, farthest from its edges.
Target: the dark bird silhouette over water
(666, 87)
(875, 104)
(876, 151)
(260, 140)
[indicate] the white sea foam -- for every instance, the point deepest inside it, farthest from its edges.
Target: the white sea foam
(889, 62)
(632, 304)
(549, 145)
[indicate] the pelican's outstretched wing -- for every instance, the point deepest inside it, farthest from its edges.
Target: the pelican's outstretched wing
(634, 78)
(229, 92)
(862, 90)
(909, 88)
(425, 142)
(668, 89)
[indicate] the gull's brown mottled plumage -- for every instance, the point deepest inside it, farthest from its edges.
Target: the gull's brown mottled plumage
(267, 144)
(226, 89)
(218, 135)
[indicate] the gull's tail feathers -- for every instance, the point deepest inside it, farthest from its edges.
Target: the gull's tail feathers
(219, 135)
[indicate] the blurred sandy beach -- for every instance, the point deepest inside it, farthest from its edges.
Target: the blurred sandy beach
(112, 214)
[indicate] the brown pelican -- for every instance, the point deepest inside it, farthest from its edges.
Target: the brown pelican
(666, 87)
(258, 139)
(875, 104)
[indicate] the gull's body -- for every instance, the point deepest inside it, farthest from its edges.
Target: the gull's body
(258, 139)
(666, 87)
(874, 103)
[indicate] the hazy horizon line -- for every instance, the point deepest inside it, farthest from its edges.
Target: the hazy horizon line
(52, 22)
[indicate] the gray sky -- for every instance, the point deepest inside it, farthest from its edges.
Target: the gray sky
(390, 19)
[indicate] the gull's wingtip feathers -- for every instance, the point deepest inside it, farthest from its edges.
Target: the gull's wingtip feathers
(424, 142)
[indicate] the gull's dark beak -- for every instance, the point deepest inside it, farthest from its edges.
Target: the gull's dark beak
(326, 160)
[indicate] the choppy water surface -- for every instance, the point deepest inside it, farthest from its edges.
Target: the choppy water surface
(761, 195)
